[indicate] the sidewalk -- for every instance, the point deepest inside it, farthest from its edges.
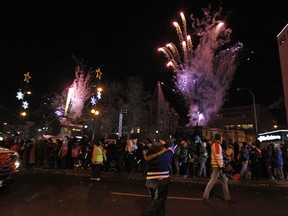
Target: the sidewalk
(138, 176)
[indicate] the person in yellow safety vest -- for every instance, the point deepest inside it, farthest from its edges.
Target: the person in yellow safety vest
(98, 156)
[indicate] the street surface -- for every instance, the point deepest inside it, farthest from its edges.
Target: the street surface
(40, 192)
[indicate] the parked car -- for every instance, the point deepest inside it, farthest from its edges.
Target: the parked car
(9, 163)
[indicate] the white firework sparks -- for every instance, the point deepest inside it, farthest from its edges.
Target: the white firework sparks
(203, 73)
(81, 92)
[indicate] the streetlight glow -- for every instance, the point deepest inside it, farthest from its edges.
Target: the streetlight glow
(95, 113)
(23, 113)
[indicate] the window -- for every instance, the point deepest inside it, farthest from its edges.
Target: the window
(247, 126)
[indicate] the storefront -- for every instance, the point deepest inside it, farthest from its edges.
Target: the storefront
(276, 137)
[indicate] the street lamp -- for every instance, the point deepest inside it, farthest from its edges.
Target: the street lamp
(95, 113)
(23, 113)
(254, 108)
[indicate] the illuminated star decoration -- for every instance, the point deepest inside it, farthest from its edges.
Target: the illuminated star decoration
(25, 104)
(98, 74)
(93, 100)
(99, 95)
(20, 95)
(27, 77)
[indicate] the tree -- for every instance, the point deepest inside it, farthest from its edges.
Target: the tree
(137, 104)
(110, 105)
(130, 99)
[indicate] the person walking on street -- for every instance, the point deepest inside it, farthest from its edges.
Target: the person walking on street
(218, 170)
(158, 158)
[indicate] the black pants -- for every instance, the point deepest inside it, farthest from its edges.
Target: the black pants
(96, 168)
(119, 159)
(158, 195)
(130, 162)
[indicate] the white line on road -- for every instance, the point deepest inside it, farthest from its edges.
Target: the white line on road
(143, 195)
(30, 198)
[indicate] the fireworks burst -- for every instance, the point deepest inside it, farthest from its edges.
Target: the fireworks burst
(203, 73)
(81, 91)
(71, 103)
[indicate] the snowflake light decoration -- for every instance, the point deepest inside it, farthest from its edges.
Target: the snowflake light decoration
(25, 104)
(99, 95)
(93, 100)
(20, 95)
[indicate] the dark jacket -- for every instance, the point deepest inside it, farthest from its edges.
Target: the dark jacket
(158, 170)
(244, 154)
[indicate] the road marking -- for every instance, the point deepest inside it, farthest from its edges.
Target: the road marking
(30, 198)
(169, 197)
(185, 198)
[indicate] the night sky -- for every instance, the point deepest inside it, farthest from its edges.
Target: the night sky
(122, 37)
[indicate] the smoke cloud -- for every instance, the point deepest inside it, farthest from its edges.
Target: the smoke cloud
(203, 72)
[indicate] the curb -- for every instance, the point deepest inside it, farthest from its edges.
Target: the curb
(140, 177)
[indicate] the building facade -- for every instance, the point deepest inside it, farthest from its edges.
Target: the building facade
(282, 38)
(164, 120)
(242, 118)
(276, 137)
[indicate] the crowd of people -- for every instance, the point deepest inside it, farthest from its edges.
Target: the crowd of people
(191, 157)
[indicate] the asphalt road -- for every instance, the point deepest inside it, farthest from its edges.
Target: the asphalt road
(42, 192)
